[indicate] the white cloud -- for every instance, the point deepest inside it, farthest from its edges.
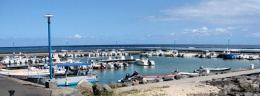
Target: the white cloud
(215, 11)
(205, 31)
(77, 36)
(256, 34)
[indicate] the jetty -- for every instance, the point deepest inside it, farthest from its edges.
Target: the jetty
(21, 88)
(187, 80)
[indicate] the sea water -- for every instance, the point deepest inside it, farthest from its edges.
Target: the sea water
(166, 65)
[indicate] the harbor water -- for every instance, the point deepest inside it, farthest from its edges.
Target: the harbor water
(165, 65)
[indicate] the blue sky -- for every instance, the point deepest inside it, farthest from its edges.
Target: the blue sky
(92, 22)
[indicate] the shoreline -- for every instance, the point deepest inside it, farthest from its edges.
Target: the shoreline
(186, 80)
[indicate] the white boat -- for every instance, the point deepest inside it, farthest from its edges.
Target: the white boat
(110, 65)
(72, 77)
(144, 61)
(253, 57)
(191, 74)
(202, 69)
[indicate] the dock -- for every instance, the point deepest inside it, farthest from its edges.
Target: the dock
(118, 60)
(187, 80)
(21, 88)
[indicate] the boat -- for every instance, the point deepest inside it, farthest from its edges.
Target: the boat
(148, 77)
(190, 74)
(73, 76)
(144, 61)
(202, 69)
(253, 57)
(228, 55)
(74, 72)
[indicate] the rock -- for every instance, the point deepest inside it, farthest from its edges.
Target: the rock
(235, 88)
(143, 81)
(107, 88)
(119, 85)
(245, 86)
(222, 92)
(85, 87)
(213, 94)
(65, 91)
(167, 78)
(135, 82)
(126, 84)
(241, 80)
(255, 87)
(177, 77)
(248, 94)
(256, 81)
(97, 89)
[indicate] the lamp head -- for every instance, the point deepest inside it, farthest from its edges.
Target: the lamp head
(48, 15)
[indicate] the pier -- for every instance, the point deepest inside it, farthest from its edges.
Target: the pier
(21, 88)
(187, 80)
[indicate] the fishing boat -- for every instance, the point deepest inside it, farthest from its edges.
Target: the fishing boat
(147, 77)
(201, 69)
(74, 73)
(144, 61)
(190, 74)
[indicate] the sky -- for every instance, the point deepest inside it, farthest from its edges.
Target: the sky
(107, 22)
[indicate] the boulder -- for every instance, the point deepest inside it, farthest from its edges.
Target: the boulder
(107, 88)
(97, 89)
(126, 84)
(241, 79)
(255, 87)
(256, 81)
(143, 81)
(247, 87)
(65, 91)
(85, 87)
(135, 82)
(222, 92)
(248, 94)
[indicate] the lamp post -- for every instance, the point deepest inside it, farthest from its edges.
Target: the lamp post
(67, 45)
(13, 48)
(48, 16)
(174, 44)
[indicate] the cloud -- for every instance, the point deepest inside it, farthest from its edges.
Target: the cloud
(256, 34)
(214, 11)
(77, 36)
(205, 31)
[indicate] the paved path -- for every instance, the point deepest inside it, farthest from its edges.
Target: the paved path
(22, 88)
(194, 79)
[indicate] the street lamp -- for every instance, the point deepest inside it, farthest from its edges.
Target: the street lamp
(49, 40)
(13, 48)
(67, 45)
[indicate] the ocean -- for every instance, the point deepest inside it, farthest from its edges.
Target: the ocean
(126, 46)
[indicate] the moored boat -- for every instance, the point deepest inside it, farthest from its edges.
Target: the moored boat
(144, 61)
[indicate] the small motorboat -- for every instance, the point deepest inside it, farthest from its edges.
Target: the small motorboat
(144, 61)
(213, 69)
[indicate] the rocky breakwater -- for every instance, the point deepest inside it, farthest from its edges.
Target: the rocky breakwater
(245, 85)
(84, 88)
